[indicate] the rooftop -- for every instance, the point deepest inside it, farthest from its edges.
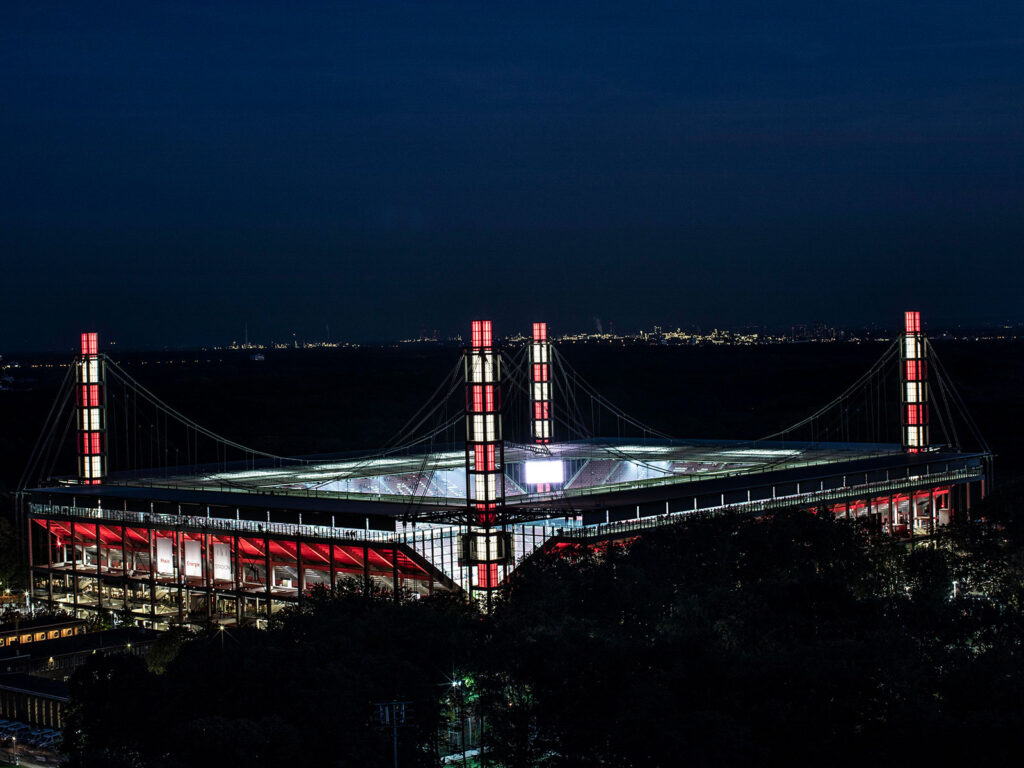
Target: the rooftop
(578, 468)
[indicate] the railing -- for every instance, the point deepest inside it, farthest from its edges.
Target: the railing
(683, 478)
(765, 505)
(161, 520)
(569, 529)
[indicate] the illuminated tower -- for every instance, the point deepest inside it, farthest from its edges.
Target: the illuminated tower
(484, 546)
(914, 384)
(91, 395)
(540, 378)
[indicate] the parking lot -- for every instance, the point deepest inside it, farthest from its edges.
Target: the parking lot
(22, 744)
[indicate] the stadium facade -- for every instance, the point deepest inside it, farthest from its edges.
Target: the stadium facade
(234, 544)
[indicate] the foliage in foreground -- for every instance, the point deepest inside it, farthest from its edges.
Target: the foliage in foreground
(721, 641)
(302, 690)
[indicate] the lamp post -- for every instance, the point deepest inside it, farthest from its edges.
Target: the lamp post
(394, 714)
(16, 760)
(457, 684)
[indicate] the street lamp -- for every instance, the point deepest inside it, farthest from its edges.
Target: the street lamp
(16, 760)
(457, 685)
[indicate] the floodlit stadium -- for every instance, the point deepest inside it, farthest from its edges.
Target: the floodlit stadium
(232, 541)
(577, 470)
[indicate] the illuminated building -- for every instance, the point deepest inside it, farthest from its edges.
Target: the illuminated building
(232, 543)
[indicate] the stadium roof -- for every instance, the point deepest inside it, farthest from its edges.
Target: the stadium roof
(587, 468)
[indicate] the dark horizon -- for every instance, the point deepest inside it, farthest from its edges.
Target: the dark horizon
(800, 330)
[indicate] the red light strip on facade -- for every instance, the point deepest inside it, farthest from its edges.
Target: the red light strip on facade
(916, 370)
(912, 322)
(487, 575)
(481, 334)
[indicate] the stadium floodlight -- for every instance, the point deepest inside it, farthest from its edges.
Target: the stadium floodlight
(544, 472)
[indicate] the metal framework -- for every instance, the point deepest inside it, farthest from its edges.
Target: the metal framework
(228, 543)
(908, 514)
(90, 386)
(540, 381)
(486, 547)
(914, 384)
(168, 570)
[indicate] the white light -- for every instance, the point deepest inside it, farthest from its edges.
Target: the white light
(760, 452)
(544, 471)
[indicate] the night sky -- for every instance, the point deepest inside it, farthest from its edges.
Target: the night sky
(174, 170)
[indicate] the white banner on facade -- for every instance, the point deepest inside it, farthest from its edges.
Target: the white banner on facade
(164, 558)
(222, 562)
(193, 559)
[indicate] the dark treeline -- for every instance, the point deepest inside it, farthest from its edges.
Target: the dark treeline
(721, 641)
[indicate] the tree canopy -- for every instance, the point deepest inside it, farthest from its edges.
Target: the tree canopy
(722, 640)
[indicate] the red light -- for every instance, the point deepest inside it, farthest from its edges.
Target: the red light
(484, 458)
(540, 372)
(916, 415)
(540, 410)
(92, 444)
(90, 345)
(540, 331)
(912, 322)
(484, 399)
(89, 395)
(487, 575)
(916, 370)
(481, 334)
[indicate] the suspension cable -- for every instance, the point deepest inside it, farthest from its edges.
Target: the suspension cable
(859, 382)
(42, 445)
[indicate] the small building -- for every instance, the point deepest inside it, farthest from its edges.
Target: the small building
(38, 630)
(58, 658)
(37, 701)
